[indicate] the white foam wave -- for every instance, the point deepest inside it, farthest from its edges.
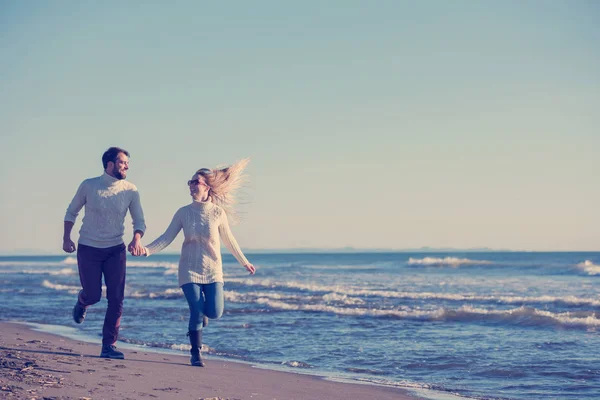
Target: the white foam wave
(63, 271)
(589, 267)
(350, 293)
(342, 298)
(187, 347)
(165, 294)
(61, 288)
(520, 316)
(181, 347)
(152, 264)
(569, 300)
(341, 267)
(129, 293)
(528, 316)
(296, 364)
(237, 297)
(36, 264)
(447, 261)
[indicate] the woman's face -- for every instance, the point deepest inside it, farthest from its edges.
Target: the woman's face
(198, 187)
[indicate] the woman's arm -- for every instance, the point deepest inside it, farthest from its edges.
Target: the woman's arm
(232, 245)
(167, 237)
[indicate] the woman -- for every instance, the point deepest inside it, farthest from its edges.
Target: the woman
(204, 223)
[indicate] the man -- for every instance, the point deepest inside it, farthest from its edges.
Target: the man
(101, 249)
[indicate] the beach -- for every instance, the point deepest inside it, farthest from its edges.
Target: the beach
(488, 325)
(39, 365)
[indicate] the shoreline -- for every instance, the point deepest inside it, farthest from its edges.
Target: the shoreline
(42, 364)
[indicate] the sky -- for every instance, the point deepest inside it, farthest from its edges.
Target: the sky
(370, 124)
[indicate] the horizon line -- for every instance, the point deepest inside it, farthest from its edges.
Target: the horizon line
(346, 249)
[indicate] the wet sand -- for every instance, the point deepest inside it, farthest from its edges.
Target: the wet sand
(38, 365)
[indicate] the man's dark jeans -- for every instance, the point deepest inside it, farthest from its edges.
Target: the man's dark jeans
(94, 262)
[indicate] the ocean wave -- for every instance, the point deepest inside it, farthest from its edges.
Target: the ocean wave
(343, 267)
(589, 267)
(62, 288)
(12, 290)
(72, 261)
(69, 261)
(352, 294)
(400, 384)
(502, 299)
(159, 345)
(341, 298)
(520, 316)
(447, 261)
(63, 271)
(237, 297)
(272, 284)
(524, 316)
(296, 364)
(185, 347)
(152, 264)
(165, 294)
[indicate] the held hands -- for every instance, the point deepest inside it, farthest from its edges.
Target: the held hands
(250, 268)
(136, 248)
(69, 246)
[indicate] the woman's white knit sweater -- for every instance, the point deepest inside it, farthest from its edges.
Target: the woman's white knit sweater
(203, 224)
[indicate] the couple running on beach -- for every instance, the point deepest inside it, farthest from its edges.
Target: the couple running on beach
(101, 250)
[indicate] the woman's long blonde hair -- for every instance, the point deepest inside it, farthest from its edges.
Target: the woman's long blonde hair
(223, 182)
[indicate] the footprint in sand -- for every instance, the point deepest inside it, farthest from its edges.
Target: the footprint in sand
(168, 389)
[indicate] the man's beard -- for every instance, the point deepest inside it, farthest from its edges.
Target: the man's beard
(119, 174)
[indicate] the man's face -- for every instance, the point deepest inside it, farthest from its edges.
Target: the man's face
(120, 167)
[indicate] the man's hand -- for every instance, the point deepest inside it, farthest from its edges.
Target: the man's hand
(135, 247)
(250, 268)
(69, 246)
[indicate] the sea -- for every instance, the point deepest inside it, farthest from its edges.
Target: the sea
(487, 325)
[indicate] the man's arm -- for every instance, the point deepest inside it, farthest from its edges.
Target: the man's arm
(139, 225)
(68, 244)
(72, 211)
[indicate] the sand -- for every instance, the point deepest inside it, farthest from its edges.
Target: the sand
(37, 365)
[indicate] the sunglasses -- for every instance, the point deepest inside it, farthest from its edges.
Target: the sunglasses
(196, 182)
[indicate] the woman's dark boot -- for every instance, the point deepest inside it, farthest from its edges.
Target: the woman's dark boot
(196, 342)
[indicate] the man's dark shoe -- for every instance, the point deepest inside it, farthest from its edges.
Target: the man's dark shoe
(78, 313)
(110, 351)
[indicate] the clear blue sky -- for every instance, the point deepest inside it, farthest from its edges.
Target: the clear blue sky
(373, 124)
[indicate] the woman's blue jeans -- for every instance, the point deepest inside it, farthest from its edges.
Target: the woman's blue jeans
(203, 299)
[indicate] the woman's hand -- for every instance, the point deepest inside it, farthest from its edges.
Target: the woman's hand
(250, 268)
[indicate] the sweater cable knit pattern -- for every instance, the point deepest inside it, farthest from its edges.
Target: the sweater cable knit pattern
(106, 200)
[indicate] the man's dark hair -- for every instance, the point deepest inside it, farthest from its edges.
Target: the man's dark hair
(111, 155)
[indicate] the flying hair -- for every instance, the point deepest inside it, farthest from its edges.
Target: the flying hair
(223, 183)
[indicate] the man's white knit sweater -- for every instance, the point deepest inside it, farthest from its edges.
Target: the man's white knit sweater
(203, 224)
(106, 200)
